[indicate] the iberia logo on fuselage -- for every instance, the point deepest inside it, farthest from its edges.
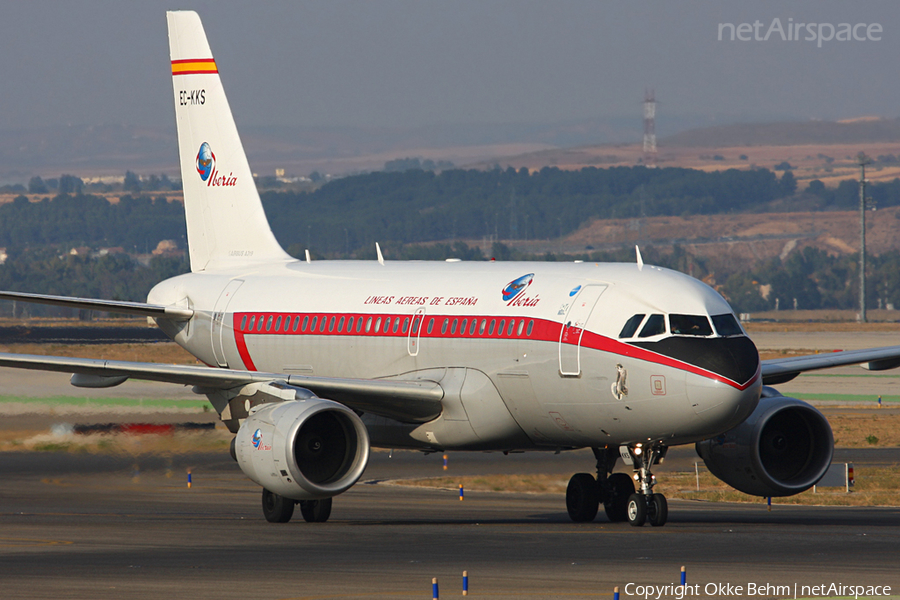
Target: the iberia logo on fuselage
(516, 287)
(206, 168)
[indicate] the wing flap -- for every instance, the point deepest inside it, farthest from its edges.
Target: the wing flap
(411, 401)
(175, 313)
(780, 370)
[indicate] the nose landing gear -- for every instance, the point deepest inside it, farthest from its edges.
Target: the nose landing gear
(644, 505)
(616, 491)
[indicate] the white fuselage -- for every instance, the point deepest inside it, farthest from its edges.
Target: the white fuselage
(529, 354)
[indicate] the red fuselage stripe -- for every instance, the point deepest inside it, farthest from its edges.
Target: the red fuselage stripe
(542, 331)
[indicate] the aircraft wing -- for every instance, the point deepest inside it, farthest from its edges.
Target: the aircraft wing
(176, 313)
(780, 370)
(410, 401)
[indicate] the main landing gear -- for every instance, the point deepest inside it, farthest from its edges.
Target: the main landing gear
(278, 509)
(617, 491)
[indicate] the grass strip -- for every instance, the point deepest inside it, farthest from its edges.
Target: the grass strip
(104, 402)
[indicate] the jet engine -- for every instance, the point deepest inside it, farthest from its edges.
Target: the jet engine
(783, 448)
(305, 449)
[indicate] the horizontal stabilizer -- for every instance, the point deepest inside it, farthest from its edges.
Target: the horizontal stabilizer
(175, 313)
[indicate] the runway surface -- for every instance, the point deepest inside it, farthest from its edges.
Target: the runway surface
(83, 527)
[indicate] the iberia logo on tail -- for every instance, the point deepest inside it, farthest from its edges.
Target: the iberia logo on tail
(206, 168)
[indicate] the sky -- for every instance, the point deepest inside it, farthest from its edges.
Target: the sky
(394, 63)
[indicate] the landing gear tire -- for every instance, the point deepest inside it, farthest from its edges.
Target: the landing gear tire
(658, 510)
(621, 487)
(637, 510)
(582, 498)
(277, 509)
(315, 511)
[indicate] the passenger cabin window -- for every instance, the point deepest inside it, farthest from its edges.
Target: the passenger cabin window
(331, 325)
(482, 326)
(509, 330)
(430, 326)
(453, 328)
(278, 323)
(341, 325)
(269, 323)
(521, 326)
(244, 323)
(530, 328)
(473, 326)
(726, 325)
(501, 326)
(322, 324)
(296, 323)
(252, 323)
(305, 323)
(655, 325)
(312, 326)
(396, 324)
(696, 325)
(491, 327)
(631, 326)
(444, 326)
(350, 325)
(405, 324)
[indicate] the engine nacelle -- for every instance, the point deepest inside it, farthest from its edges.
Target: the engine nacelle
(783, 448)
(305, 449)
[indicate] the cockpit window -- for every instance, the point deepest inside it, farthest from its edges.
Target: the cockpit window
(690, 325)
(655, 325)
(726, 325)
(631, 326)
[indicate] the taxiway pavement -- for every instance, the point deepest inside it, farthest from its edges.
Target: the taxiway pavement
(98, 529)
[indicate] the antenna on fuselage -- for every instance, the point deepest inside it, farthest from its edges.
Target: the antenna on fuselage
(380, 255)
(308, 257)
(640, 259)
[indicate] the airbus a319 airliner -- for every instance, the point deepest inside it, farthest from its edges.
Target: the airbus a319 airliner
(312, 363)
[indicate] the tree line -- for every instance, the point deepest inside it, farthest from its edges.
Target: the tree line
(420, 214)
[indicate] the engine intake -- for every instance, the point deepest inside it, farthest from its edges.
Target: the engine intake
(305, 449)
(783, 448)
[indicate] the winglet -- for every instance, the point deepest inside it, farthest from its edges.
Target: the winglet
(380, 256)
(640, 259)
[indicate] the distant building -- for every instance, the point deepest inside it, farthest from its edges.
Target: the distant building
(167, 248)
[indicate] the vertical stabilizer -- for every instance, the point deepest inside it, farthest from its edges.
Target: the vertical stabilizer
(226, 225)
